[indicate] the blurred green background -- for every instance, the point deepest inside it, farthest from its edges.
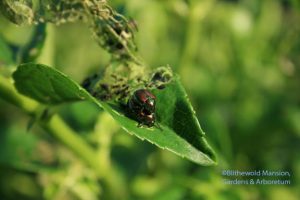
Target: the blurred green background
(239, 62)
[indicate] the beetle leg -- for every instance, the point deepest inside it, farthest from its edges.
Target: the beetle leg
(158, 126)
(140, 125)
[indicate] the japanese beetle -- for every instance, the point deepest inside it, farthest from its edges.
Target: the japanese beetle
(141, 106)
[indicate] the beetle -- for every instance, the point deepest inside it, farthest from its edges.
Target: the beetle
(141, 106)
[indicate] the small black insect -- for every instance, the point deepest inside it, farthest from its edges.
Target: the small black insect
(141, 106)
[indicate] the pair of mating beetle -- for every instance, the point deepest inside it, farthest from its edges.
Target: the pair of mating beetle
(141, 107)
(141, 104)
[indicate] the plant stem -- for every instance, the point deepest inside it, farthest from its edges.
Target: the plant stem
(107, 16)
(9, 94)
(58, 128)
(197, 12)
(55, 125)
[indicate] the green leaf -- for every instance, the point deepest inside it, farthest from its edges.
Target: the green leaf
(47, 85)
(181, 132)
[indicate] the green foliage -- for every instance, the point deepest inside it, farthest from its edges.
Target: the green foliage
(112, 30)
(181, 132)
(47, 85)
(237, 60)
